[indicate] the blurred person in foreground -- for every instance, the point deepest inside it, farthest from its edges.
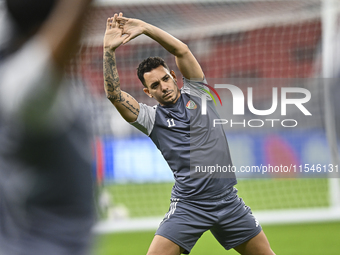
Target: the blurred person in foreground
(185, 139)
(46, 193)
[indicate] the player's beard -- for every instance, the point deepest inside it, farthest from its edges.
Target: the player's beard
(173, 98)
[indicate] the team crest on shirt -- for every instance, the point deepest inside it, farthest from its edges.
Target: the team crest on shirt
(191, 105)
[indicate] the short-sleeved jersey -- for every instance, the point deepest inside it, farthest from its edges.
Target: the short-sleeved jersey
(188, 141)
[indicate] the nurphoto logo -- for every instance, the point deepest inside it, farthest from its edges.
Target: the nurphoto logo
(238, 107)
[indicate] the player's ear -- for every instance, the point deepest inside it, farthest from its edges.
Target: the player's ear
(146, 91)
(172, 72)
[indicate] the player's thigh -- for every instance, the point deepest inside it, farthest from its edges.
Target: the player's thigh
(185, 223)
(257, 245)
(163, 246)
(236, 224)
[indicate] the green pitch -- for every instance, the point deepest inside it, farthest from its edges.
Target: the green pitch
(153, 199)
(302, 239)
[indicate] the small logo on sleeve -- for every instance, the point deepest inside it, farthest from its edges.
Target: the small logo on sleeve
(211, 88)
(191, 105)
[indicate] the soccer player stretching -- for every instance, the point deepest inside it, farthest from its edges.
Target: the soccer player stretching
(183, 136)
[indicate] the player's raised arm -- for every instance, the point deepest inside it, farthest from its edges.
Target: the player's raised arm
(185, 60)
(127, 106)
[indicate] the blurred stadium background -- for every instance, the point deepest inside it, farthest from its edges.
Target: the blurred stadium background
(245, 39)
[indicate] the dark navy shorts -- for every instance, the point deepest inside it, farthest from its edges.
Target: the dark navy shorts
(229, 220)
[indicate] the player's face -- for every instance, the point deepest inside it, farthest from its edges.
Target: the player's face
(162, 85)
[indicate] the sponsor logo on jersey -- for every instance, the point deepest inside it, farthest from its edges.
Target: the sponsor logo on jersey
(191, 105)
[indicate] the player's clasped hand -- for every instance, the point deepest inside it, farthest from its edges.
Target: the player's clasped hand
(120, 30)
(113, 35)
(131, 27)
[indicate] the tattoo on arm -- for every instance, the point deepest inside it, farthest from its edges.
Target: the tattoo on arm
(130, 107)
(111, 78)
(112, 83)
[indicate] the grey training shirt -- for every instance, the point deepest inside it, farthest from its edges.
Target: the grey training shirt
(190, 143)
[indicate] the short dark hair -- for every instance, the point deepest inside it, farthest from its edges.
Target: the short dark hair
(29, 14)
(149, 64)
